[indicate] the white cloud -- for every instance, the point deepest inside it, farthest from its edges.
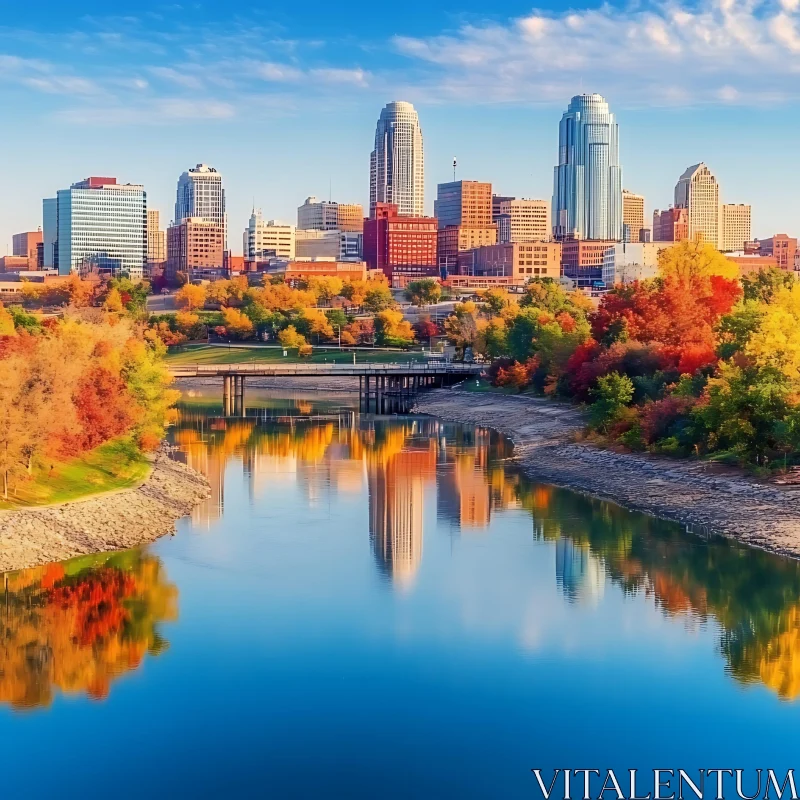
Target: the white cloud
(677, 52)
(176, 77)
(164, 111)
(354, 77)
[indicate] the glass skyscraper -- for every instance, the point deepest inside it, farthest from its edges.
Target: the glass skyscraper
(587, 189)
(396, 166)
(101, 226)
(200, 194)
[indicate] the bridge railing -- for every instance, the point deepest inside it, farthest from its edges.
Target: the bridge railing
(326, 369)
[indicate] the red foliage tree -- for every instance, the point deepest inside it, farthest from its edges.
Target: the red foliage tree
(102, 411)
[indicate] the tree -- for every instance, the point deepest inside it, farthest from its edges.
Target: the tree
(776, 341)
(189, 324)
(392, 330)
(290, 338)
(113, 301)
(424, 292)
(689, 260)
(6, 323)
(325, 288)
(355, 291)
(190, 297)
(378, 298)
(237, 324)
(613, 392)
(762, 284)
(315, 323)
(497, 301)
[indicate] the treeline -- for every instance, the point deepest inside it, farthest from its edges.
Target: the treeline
(355, 312)
(694, 361)
(70, 384)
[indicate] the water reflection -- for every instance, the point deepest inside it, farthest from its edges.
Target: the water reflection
(77, 626)
(753, 597)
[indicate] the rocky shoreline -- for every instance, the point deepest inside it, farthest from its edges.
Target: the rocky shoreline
(102, 523)
(704, 497)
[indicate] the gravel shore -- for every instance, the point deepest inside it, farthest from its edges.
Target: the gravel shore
(705, 497)
(111, 521)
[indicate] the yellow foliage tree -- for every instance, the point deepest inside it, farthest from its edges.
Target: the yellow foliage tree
(6, 323)
(689, 260)
(326, 288)
(190, 297)
(290, 338)
(776, 341)
(318, 323)
(392, 329)
(113, 301)
(236, 323)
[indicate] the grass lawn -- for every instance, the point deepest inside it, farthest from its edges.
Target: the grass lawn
(203, 354)
(113, 465)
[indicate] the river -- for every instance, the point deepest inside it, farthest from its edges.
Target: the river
(383, 607)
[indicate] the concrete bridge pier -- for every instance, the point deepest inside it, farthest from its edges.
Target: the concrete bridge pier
(227, 395)
(238, 395)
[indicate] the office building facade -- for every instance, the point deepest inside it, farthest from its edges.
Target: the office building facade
(735, 226)
(523, 220)
(323, 215)
(697, 191)
(101, 226)
(200, 195)
(28, 245)
(268, 237)
(632, 216)
(195, 247)
(670, 225)
(587, 187)
(397, 165)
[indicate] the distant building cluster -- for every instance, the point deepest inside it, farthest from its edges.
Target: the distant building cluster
(592, 232)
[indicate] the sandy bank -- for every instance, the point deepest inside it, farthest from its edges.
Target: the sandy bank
(112, 521)
(698, 494)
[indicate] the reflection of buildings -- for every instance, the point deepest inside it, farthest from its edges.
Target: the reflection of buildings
(396, 507)
(579, 574)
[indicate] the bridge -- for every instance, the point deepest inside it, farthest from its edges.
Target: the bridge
(380, 386)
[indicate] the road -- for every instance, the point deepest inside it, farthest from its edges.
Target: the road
(160, 303)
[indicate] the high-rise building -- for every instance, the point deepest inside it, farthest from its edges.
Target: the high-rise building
(397, 170)
(632, 216)
(670, 225)
(587, 188)
(497, 200)
(201, 196)
(330, 216)
(523, 220)
(734, 226)
(463, 210)
(403, 247)
(101, 226)
(195, 247)
(697, 191)
(50, 232)
(156, 238)
(464, 203)
(26, 245)
(262, 237)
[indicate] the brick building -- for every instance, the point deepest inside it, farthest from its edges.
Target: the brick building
(507, 264)
(195, 247)
(671, 225)
(582, 260)
(402, 247)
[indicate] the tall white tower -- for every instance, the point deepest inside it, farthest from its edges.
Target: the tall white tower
(200, 194)
(697, 191)
(396, 166)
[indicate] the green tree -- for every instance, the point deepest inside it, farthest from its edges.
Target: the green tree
(762, 284)
(612, 393)
(378, 298)
(424, 292)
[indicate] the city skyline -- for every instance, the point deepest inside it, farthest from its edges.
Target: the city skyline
(157, 108)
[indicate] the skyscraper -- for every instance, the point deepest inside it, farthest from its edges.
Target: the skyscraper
(156, 238)
(587, 187)
(396, 166)
(101, 226)
(200, 195)
(697, 191)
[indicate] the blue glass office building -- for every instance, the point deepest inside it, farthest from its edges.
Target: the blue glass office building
(587, 189)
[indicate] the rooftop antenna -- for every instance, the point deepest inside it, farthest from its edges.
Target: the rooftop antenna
(454, 170)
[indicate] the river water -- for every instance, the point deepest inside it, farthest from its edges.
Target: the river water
(382, 607)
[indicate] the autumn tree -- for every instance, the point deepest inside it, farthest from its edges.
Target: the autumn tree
(190, 297)
(392, 330)
(325, 288)
(237, 324)
(113, 301)
(290, 338)
(692, 259)
(378, 298)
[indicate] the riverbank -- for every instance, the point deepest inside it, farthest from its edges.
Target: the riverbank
(699, 494)
(111, 521)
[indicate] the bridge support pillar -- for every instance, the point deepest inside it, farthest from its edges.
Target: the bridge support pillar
(227, 400)
(238, 395)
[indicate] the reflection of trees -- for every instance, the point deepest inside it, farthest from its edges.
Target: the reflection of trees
(753, 596)
(77, 626)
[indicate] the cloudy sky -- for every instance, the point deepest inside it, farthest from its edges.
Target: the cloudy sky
(284, 102)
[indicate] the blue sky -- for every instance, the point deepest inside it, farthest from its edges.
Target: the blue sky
(283, 101)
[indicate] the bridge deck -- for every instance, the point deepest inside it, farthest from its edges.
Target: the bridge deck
(278, 370)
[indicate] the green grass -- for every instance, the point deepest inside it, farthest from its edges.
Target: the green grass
(203, 354)
(117, 464)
